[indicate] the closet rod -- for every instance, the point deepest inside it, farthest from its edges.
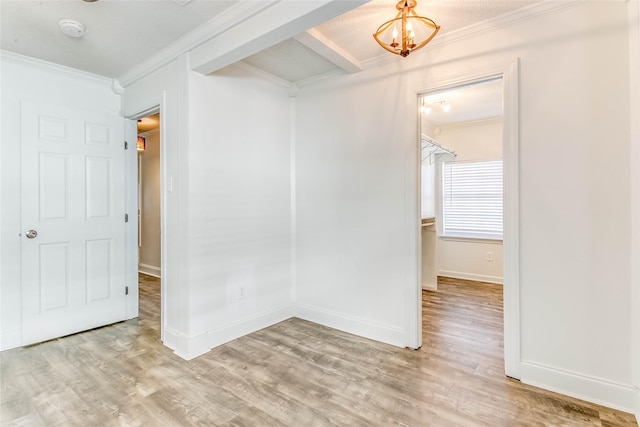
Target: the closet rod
(433, 148)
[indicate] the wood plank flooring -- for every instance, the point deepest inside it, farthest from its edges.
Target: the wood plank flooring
(295, 373)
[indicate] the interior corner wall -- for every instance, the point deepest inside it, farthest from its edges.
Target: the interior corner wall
(226, 142)
(467, 259)
(240, 204)
(25, 79)
(357, 202)
(356, 149)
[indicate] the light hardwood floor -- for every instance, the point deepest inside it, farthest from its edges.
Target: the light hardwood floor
(295, 373)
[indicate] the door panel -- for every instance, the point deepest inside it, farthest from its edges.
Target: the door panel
(73, 196)
(54, 274)
(54, 187)
(98, 191)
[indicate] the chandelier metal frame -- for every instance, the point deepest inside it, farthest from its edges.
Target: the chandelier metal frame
(407, 16)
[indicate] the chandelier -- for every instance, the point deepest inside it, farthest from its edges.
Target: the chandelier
(410, 25)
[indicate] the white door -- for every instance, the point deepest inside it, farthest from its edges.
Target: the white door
(73, 225)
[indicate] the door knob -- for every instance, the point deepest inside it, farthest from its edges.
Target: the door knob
(32, 234)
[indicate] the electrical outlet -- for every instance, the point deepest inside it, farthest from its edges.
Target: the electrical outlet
(489, 256)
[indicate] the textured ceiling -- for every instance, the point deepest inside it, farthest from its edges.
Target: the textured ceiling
(118, 34)
(353, 30)
(121, 34)
(291, 61)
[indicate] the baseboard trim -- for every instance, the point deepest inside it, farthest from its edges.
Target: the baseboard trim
(608, 393)
(190, 347)
(170, 338)
(352, 325)
(150, 270)
(470, 276)
(430, 286)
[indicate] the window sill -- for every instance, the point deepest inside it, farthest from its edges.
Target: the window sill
(470, 239)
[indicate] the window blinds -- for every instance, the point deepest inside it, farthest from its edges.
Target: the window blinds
(472, 199)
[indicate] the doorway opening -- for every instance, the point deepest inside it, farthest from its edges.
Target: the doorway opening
(149, 206)
(468, 150)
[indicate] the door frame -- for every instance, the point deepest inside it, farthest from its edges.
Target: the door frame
(510, 74)
(153, 107)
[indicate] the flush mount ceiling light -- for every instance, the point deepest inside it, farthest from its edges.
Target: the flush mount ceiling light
(415, 31)
(71, 27)
(426, 107)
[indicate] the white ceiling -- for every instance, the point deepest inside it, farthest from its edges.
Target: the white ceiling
(354, 29)
(118, 34)
(121, 34)
(467, 103)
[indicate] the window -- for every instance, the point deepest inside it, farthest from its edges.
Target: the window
(472, 199)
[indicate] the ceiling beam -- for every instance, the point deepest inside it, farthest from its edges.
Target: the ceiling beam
(273, 25)
(321, 45)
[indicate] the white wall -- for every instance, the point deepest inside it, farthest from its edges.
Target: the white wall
(231, 273)
(357, 208)
(357, 181)
(24, 79)
(467, 259)
(161, 88)
(240, 204)
(149, 260)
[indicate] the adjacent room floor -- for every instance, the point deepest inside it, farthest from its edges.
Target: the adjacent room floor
(295, 373)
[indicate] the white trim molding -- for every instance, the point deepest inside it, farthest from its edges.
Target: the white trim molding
(150, 270)
(352, 325)
(608, 393)
(6, 55)
(214, 27)
(190, 347)
(634, 113)
(510, 73)
(511, 228)
(471, 276)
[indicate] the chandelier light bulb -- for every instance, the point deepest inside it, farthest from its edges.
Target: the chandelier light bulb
(407, 18)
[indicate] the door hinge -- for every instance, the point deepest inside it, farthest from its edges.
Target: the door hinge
(126, 290)
(126, 145)
(126, 217)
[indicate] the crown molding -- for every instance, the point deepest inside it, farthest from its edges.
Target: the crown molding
(472, 123)
(16, 58)
(524, 14)
(313, 79)
(116, 87)
(228, 19)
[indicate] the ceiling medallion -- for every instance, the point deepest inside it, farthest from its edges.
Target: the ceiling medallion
(415, 31)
